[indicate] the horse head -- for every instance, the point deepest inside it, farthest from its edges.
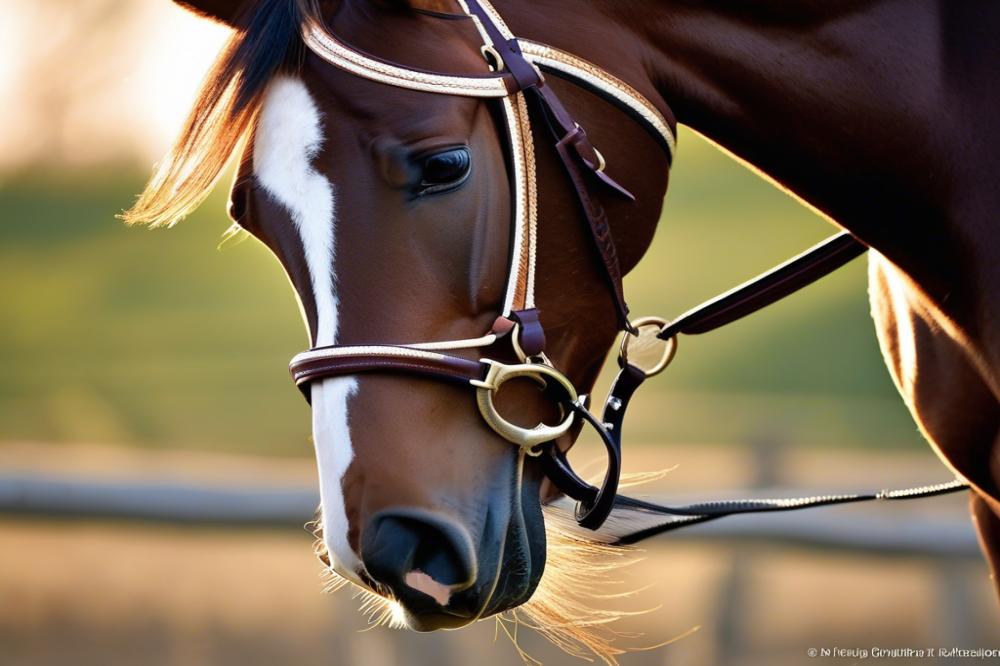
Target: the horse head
(394, 213)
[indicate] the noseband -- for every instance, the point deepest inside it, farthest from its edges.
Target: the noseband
(516, 77)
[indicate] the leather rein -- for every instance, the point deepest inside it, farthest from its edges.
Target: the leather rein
(517, 79)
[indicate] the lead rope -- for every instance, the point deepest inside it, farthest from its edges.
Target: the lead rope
(692, 514)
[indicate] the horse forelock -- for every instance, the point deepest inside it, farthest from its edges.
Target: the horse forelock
(224, 110)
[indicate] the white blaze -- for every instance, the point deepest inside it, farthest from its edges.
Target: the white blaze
(289, 135)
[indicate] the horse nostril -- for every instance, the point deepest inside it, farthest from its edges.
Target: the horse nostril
(418, 554)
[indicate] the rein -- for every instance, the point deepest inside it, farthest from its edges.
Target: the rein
(516, 78)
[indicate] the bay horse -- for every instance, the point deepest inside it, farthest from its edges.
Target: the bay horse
(391, 210)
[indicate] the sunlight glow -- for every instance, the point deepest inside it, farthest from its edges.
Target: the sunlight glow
(170, 69)
(85, 86)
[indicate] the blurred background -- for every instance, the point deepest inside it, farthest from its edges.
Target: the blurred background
(146, 369)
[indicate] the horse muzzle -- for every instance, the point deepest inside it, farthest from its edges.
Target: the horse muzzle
(448, 570)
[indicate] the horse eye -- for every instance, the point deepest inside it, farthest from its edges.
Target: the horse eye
(444, 171)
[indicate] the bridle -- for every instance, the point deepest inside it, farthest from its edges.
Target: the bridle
(517, 80)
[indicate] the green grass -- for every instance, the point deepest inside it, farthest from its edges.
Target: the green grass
(158, 338)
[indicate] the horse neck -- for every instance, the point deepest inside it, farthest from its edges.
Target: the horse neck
(810, 92)
(839, 101)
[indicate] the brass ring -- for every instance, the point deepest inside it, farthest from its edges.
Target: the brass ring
(601, 162)
(526, 438)
(492, 57)
(669, 349)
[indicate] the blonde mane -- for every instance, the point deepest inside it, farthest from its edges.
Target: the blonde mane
(224, 111)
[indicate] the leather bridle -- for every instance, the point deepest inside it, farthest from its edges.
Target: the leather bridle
(517, 79)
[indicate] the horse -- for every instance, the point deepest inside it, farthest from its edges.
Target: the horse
(390, 210)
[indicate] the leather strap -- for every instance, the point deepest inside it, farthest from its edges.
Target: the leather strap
(530, 334)
(692, 514)
(566, 130)
(594, 504)
(339, 362)
(580, 158)
(600, 232)
(522, 72)
(575, 150)
(767, 288)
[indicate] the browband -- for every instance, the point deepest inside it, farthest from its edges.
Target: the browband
(548, 58)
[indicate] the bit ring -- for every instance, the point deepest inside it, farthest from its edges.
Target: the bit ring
(669, 346)
(528, 439)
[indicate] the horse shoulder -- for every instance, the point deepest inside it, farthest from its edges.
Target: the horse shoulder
(941, 376)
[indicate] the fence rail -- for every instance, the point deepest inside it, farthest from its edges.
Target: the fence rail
(890, 533)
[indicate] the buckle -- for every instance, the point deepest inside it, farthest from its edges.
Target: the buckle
(643, 342)
(528, 439)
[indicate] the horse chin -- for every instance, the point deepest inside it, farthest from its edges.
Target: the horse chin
(511, 560)
(425, 623)
(524, 552)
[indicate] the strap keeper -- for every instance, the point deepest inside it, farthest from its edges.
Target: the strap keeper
(502, 326)
(584, 149)
(530, 334)
(591, 157)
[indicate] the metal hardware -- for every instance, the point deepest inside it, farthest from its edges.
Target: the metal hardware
(541, 74)
(654, 325)
(492, 57)
(601, 162)
(526, 438)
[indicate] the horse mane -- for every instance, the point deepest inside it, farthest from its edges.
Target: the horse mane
(227, 104)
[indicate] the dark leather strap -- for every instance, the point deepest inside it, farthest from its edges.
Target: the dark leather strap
(437, 366)
(581, 161)
(577, 153)
(595, 504)
(767, 288)
(692, 514)
(530, 334)
(566, 130)
(522, 72)
(600, 233)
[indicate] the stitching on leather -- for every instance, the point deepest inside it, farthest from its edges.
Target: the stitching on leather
(329, 48)
(577, 67)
